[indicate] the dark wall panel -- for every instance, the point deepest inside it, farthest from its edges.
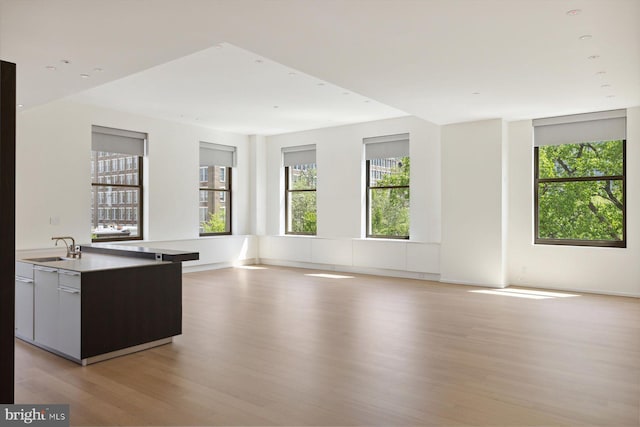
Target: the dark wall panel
(7, 228)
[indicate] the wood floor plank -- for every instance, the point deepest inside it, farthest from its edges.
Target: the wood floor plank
(275, 346)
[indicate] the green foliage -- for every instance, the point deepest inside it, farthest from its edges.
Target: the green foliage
(389, 207)
(581, 210)
(302, 205)
(217, 222)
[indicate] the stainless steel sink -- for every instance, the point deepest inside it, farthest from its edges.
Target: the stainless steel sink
(47, 259)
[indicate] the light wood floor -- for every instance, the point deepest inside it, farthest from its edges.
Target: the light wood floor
(275, 346)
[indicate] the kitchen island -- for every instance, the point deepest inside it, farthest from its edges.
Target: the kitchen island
(99, 306)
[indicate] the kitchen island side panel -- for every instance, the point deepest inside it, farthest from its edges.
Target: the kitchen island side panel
(130, 306)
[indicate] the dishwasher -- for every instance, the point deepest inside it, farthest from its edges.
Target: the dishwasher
(24, 301)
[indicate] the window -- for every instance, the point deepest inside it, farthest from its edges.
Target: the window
(215, 188)
(387, 186)
(579, 174)
(113, 148)
(300, 180)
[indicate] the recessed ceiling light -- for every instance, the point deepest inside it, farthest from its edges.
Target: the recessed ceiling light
(475, 93)
(574, 12)
(367, 101)
(276, 106)
(593, 57)
(65, 61)
(345, 93)
(259, 61)
(605, 85)
(601, 73)
(20, 105)
(217, 46)
(586, 37)
(291, 73)
(321, 84)
(85, 76)
(611, 96)
(50, 68)
(98, 70)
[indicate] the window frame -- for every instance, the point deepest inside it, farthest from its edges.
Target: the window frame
(121, 187)
(537, 181)
(368, 189)
(215, 193)
(287, 191)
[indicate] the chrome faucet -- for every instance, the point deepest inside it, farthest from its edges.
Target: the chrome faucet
(71, 250)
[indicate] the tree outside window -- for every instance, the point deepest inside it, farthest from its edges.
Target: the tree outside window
(388, 197)
(580, 194)
(300, 199)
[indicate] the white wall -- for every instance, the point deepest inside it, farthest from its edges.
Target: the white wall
(474, 225)
(472, 198)
(340, 198)
(608, 270)
(53, 179)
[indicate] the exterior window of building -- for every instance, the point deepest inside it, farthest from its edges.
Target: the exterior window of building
(579, 180)
(215, 188)
(300, 181)
(387, 186)
(115, 148)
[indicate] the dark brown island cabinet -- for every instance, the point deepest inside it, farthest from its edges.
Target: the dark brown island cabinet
(105, 304)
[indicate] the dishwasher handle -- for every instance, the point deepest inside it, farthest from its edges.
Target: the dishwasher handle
(45, 269)
(69, 290)
(24, 279)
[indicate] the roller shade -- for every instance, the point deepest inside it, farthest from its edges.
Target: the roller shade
(589, 127)
(301, 155)
(383, 147)
(121, 141)
(217, 155)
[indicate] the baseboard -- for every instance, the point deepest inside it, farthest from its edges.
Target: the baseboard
(466, 283)
(218, 265)
(353, 269)
(578, 291)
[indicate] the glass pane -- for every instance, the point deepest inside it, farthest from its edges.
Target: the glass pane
(392, 171)
(302, 212)
(215, 212)
(586, 210)
(580, 160)
(389, 212)
(114, 168)
(115, 212)
(214, 177)
(303, 177)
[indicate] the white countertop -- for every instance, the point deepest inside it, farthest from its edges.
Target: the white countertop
(91, 262)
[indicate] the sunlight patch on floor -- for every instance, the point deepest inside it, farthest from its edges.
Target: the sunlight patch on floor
(251, 267)
(329, 276)
(525, 293)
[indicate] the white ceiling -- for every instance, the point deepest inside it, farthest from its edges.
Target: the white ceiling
(443, 60)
